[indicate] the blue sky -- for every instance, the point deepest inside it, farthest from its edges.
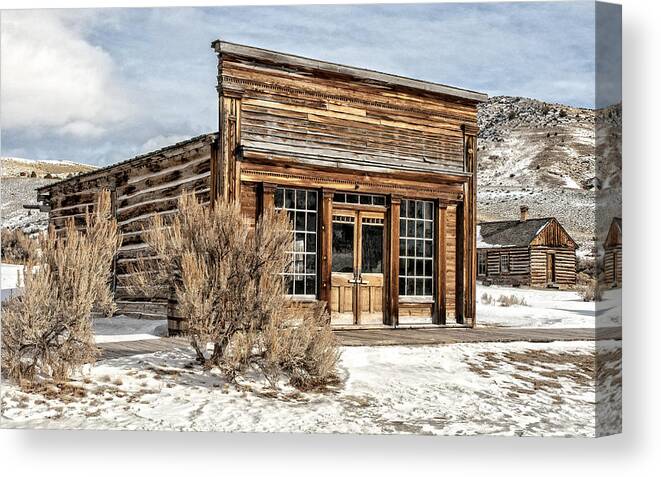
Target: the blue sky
(99, 86)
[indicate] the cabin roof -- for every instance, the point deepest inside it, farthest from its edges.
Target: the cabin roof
(132, 161)
(510, 233)
(300, 62)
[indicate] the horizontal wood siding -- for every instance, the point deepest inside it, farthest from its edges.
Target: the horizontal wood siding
(519, 266)
(613, 266)
(310, 116)
(565, 266)
(145, 188)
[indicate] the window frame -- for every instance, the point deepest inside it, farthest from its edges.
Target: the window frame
(482, 263)
(427, 242)
(506, 257)
(292, 213)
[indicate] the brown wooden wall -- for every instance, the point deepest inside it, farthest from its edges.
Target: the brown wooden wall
(565, 265)
(311, 115)
(519, 269)
(613, 266)
(141, 189)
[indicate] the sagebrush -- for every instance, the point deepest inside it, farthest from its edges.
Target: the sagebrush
(225, 275)
(47, 330)
(15, 246)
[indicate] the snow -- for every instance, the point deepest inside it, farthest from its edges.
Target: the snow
(548, 308)
(122, 328)
(460, 389)
(482, 244)
(10, 280)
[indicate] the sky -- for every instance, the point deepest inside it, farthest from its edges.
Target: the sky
(103, 85)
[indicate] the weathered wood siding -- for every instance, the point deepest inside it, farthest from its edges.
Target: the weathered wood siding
(519, 266)
(613, 266)
(306, 116)
(142, 188)
(565, 266)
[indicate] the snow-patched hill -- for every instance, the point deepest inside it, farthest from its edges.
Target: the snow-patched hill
(21, 167)
(544, 156)
(18, 182)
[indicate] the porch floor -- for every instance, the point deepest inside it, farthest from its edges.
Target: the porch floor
(390, 337)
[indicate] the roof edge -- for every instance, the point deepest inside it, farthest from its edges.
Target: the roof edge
(209, 136)
(272, 56)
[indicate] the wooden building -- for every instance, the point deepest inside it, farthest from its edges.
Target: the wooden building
(529, 252)
(376, 171)
(613, 254)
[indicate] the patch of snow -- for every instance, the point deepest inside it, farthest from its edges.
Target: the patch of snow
(458, 389)
(11, 280)
(122, 328)
(548, 308)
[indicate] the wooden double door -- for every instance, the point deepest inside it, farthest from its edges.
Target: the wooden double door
(358, 251)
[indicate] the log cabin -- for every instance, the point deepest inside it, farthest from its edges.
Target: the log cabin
(376, 171)
(526, 252)
(613, 254)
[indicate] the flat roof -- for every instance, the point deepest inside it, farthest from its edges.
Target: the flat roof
(276, 57)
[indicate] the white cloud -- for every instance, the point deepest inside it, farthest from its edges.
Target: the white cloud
(53, 77)
(160, 141)
(81, 129)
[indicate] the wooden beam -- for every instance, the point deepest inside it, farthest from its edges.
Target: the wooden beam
(325, 231)
(392, 289)
(440, 311)
(460, 269)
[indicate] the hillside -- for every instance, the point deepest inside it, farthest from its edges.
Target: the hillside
(20, 167)
(17, 187)
(543, 155)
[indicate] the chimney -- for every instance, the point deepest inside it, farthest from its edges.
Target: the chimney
(524, 213)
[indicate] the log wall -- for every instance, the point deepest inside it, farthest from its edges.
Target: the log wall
(141, 188)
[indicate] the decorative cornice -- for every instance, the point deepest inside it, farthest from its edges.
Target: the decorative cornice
(431, 191)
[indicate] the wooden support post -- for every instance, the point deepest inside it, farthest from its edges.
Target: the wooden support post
(460, 264)
(392, 290)
(325, 233)
(440, 305)
(470, 201)
(227, 175)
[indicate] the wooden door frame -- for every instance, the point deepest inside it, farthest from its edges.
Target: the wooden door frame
(358, 214)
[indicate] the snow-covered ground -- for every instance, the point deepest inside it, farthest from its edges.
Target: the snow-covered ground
(461, 389)
(547, 308)
(11, 280)
(122, 328)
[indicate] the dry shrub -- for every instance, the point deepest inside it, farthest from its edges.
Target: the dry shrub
(591, 291)
(510, 300)
(15, 246)
(47, 331)
(487, 299)
(226, 278)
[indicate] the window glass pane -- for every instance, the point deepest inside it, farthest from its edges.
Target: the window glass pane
(311, 222)
(279, 198)
(289, 198)
(312, 201)
(300, 199)
(366, 199)
(379, 200)
(342, 247)
(310, 288)
(352, 198)
(402, 227)
(299, 223)
(402, 286)
(372, 248)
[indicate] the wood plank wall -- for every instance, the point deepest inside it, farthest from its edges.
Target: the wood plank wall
(565, 266)
(143, 188)
(307, 115)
